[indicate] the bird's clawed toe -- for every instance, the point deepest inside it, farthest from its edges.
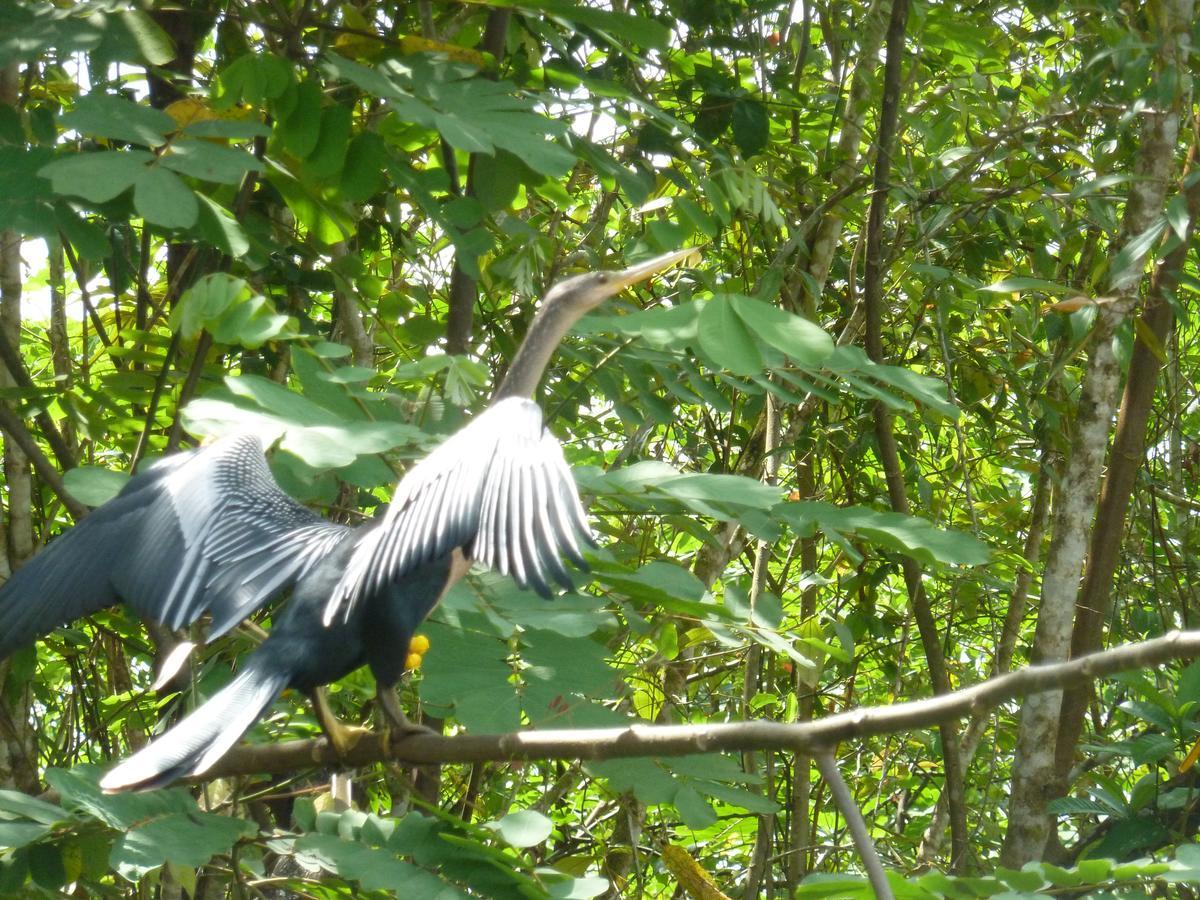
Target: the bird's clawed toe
(343, 738)
(399, 726)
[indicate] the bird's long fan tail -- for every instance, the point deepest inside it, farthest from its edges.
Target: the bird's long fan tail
(203, 737)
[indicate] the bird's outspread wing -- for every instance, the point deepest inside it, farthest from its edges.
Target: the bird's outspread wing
(499, 489)
(207, 530)
(243, 539)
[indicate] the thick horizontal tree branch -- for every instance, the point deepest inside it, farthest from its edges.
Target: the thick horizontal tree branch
(679, 740)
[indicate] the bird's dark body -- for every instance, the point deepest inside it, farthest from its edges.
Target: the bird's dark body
(376, 634)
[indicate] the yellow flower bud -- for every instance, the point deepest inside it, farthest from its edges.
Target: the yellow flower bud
(419, 644)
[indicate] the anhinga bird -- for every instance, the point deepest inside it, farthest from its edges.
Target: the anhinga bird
(209, 531)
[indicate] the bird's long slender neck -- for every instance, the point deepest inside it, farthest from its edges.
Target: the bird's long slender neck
(545, 333)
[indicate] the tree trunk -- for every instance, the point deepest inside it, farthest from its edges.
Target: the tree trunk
(1128, 454)
(18, 753)
(1035, 764)
(828, 231)
(464, 290)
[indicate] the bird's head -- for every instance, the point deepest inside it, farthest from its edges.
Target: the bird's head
(565, 302)
(583, 293)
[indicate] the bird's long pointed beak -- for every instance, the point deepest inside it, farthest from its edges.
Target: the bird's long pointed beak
(639, 273)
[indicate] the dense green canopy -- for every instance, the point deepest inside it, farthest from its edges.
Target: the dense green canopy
(933, 362)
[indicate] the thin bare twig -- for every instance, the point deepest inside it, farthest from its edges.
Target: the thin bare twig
(854, 821)
(14, 427)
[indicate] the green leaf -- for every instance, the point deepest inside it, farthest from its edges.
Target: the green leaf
(254, 78)
(751, 126)
(210, 162)
(27, 807)
(1186, 865)
(333, 142)
(572, 615)
(1094, 870)
(1126, 838)
(737, 796)
(800, 339)
(644, 777)
(18, 834)
(837, 887)
(1021, 284)
(374, 868)
(327, 222)
(97, 177)
(88, 238)
(152, 43)
(498, 180)
(664, 328)
(349, 375)
(853, 365)
(559, 672)
(640, 30)
(473, 113)
(1130, 262)
(714, 115)
(704, 492)
(163, 199)
(480, 694)
(1187, 687)
(251, 323)
(300, 130)
(93, 485)
(189, 839)
(695, 811)
(46, 866)
(524, 828)
(726, 340)
(363, 173)
(574, 888)
(118, 118)
(1096, 185)
(203, 304)
(80, 792)
(1179, 216)
(219, 228)
(236, 129)
(309, 431)
(1077, 806)
(911, 535)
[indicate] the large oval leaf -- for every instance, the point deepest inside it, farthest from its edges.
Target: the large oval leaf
(726, 340)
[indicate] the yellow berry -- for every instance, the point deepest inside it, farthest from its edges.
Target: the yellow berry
(413, 661)
(419, 644)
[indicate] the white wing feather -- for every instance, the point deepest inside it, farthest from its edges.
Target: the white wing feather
(499, 489)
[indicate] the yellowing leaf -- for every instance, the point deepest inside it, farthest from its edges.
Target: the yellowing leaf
(1070, 305)
(189, 110)
(692, 877)
(359, 46)
(1074, 304)
(413, 44)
